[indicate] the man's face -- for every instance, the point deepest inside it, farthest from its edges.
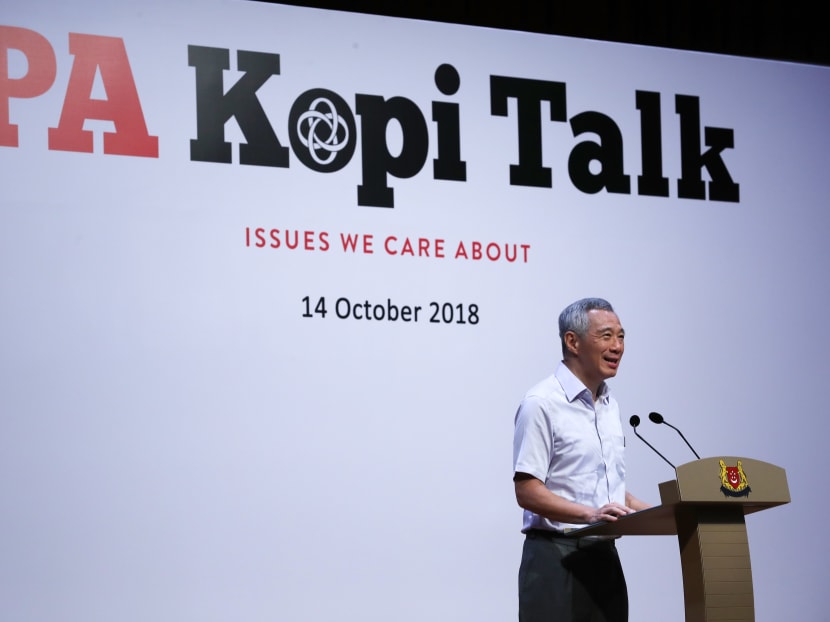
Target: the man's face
(600, 351)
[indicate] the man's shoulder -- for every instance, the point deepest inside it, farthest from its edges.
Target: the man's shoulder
(545, 388)
(546, 396)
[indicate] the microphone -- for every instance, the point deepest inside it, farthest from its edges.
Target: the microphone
(658, 418)
(635, 421)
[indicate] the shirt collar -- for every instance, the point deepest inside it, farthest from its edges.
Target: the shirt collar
(575, 389)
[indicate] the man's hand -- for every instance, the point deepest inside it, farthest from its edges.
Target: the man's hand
(531, 494)
(610, 512)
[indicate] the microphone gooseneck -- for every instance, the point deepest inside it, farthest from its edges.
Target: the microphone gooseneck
(635, 421)
(658, 418)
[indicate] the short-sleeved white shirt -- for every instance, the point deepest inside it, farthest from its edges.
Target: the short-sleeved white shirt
(574, 446)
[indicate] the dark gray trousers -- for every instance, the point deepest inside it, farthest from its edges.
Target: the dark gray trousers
(571, 580)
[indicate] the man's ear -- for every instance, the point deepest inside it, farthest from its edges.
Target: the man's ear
(571, 342)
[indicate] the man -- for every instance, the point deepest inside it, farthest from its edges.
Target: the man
(569, 470)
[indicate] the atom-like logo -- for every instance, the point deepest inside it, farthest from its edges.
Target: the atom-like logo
(322, 131)
(323, 127)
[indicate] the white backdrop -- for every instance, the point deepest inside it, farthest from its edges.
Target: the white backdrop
(177, 442)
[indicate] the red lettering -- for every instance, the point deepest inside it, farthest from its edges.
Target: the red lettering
(41, 72)
(407, 248)
(260, 237)
(493, 251)
(350, 242)
(292, 245)
(275, 238)
(424, 247)
(108, 57)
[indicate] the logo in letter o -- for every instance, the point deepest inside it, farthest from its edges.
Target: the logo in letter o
(322, 129)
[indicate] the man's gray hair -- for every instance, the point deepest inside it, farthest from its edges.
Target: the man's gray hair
(574, 318)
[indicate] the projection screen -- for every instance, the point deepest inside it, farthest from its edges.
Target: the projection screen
(275, 280)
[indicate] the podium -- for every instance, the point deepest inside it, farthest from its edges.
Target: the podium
(705, 507)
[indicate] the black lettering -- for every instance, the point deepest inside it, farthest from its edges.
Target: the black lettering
(529, 95)
(651, 182)
(375, 116)
(448, 165)
(608, 152)
(214, 107)
(690, 185)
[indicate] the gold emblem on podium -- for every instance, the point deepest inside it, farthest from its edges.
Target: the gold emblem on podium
(733, 480)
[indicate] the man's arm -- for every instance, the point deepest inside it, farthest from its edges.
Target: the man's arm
(532, 495)
(634, 503)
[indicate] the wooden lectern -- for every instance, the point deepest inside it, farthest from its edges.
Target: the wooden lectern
(705, 507)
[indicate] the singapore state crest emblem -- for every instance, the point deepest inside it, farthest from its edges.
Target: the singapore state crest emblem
(733, 480)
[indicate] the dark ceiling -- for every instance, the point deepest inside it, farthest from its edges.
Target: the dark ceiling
(790, 31)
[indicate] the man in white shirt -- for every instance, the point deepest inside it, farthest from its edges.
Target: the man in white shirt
(569, 470)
